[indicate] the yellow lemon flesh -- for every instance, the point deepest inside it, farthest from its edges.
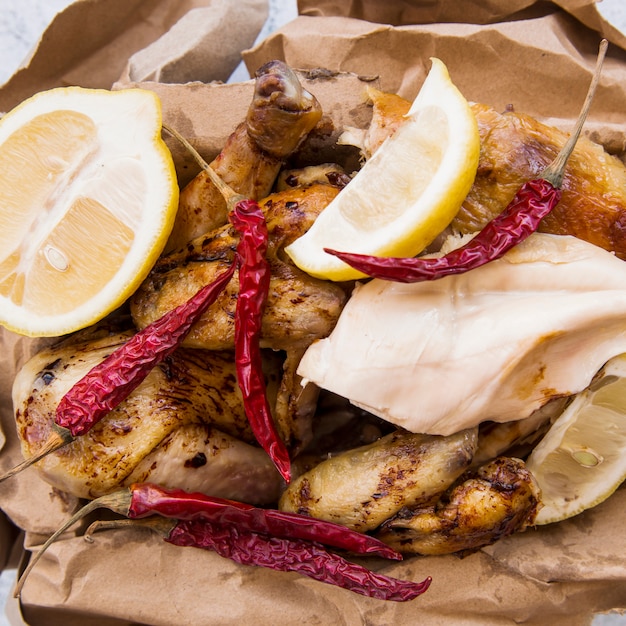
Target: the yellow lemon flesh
(88, 196)
(581, 460)
(407, 192)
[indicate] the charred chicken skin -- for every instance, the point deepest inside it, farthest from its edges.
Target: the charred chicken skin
(500, 498)
(280, 116)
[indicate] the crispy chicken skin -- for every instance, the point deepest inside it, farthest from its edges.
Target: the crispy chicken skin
(190, 392)
(501, 498)
(514, 149)
(363, 487)
(299, 308)
(280, 116)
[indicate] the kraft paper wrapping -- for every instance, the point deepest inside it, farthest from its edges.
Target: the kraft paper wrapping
(560, 574)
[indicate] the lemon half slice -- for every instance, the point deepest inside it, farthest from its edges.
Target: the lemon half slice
(581, 460)
(407, 192)
(88, 196)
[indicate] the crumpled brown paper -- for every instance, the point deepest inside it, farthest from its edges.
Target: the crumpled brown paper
(557, 575)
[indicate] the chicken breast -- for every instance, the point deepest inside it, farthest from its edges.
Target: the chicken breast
(494, 344)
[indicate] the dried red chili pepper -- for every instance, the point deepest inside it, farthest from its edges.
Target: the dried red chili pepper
(147, 499)
(254, 275)
(253, 536)
(254, 280)
(534, 200)
(293, 555)
(110, 382)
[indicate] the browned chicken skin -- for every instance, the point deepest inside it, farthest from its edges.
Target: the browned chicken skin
(501, 498)
(299, 308)
(363, 487)
(184, 426)
(514, 149)
(281, 115)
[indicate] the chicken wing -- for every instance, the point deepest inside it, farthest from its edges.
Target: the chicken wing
(363, 487)
(516, 148)
(299, 308)
(500, 499)
(281, 115)
(190, 392)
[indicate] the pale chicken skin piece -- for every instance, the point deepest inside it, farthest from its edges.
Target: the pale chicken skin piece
(280, 116)
(299, 308)
(184, 426)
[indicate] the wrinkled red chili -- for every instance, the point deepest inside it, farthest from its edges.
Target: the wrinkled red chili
(254, 279)
(293, 555)
(534, 200)
(252, 536)
(110, 382)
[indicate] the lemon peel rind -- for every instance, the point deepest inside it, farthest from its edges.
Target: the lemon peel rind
(155, 225)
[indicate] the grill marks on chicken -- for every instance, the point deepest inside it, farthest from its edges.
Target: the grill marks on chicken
(363, 487)
(499, 499)
(299, 308)
(280, 116)
(189, 390)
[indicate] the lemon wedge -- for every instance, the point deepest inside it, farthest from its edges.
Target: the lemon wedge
(88, 196)
(581, 460)
(407, 192)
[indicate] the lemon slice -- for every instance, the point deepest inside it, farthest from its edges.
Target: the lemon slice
(581, 460)
(88, 196)
(407, 192)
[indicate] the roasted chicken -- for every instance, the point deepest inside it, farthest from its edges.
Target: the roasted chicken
(281, 115)
(516, 148)
(363, 487)
(299, 308)
(184, 426)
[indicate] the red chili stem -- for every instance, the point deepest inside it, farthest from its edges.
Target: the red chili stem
(531, 204)
(254, 280)
(148, 499)
(292, 555)
(109, 383)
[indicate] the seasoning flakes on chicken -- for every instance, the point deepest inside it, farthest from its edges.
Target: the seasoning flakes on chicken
(184, 425)
(280, 116)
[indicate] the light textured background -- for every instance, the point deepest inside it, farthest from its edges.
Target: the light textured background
(23, 21)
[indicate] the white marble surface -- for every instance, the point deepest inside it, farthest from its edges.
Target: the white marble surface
(23, 21)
